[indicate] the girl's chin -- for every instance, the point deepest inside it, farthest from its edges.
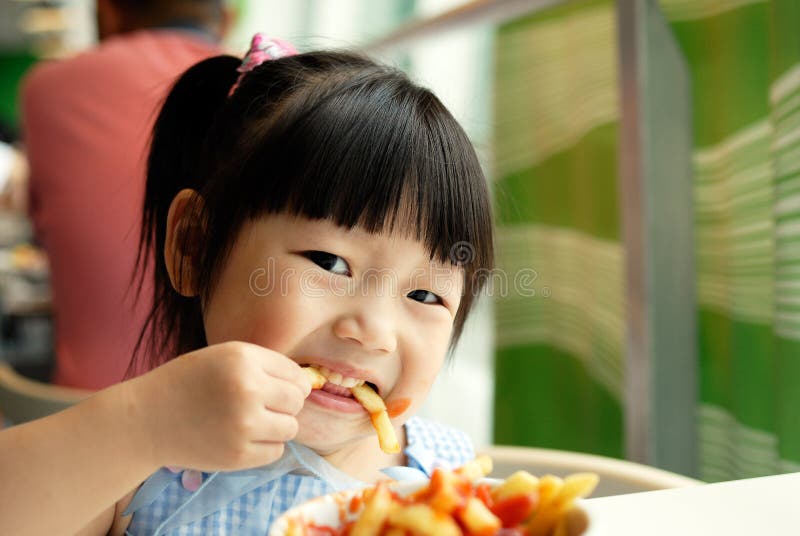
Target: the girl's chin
(326, 433)
(327, 442)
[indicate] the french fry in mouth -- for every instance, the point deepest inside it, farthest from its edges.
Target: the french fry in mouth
(316, 377)
(379, 416)
(372, 403)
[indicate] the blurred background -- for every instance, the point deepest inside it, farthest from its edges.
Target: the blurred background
(644, 157)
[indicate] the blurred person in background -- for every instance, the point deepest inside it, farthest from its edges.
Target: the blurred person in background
(86, 126)
(13, 172)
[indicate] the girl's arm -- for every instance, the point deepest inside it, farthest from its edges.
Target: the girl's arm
(226, 407)
(113, 518)
(60, 472)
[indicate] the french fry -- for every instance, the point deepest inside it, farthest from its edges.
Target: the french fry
(316, 377)
(577, 485)
(572, 487)
(444, 495)
(477, 468)
(368, 398)
(375, 513)
(520, 483)
(293, 528)
(380, 418)
(477, 518)
(422, 520)
(549, 487)
(561, 527)
(546, 515)
(386, 434)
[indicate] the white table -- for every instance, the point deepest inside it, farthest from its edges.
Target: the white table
(753, 507)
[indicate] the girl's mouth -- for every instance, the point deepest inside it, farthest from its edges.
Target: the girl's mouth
(339, 390)
(337, 398)
(338, 383)
(335, 393)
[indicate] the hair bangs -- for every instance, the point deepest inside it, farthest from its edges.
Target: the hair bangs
(384, 156)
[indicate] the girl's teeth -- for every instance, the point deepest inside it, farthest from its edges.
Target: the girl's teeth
(335, 377)
(338, 379)
(348, 382)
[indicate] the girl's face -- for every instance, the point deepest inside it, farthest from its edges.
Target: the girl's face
(369, 307)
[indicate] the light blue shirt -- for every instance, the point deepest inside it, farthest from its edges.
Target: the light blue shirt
(248, 502)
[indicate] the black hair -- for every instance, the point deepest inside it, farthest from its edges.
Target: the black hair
(324, 135)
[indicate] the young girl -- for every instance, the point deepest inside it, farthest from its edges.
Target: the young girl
(303, 209)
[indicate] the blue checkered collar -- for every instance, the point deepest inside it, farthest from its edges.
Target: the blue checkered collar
(220, 488)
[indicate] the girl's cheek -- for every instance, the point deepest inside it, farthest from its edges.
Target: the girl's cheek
(410, 395)
(315, 284)
(276, 326)
(265, 333)
(418, 377)
(283, 322)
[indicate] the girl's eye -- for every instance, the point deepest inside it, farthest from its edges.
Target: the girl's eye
(328, 261)
(424, 296)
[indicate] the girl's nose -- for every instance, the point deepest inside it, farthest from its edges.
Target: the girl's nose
(371, 327)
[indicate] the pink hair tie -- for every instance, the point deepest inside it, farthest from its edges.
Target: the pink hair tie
(262, 48)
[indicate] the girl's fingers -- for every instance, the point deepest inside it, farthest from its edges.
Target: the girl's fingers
(274, 430)
(281, 396)
(276, 427)
(280, 366)
(264, 452)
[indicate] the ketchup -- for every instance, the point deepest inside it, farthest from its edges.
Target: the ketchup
(397, 407)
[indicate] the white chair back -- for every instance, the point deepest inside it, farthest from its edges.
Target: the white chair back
(23, 399)
(617, 477)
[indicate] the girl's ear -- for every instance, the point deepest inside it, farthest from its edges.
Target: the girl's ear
(185, 230)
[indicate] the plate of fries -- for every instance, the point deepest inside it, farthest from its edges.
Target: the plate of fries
(452, 503)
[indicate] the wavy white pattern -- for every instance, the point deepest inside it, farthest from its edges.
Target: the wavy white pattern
(785, 97)
(734, 210)
(559, 75)
(578, 302)
(730, 450)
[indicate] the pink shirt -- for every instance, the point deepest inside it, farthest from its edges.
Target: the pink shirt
(87, 122)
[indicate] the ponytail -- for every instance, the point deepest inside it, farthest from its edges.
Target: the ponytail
(178, 138)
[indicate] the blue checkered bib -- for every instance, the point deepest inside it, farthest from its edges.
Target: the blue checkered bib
(247, 502)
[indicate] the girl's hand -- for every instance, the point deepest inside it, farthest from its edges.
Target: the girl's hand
(225, 407)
